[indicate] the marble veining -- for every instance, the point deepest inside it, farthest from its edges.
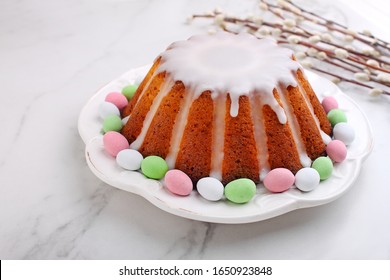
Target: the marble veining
(193, 244)
(55, 54)
(70, 231)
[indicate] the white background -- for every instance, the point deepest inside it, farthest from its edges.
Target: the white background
(55, 54)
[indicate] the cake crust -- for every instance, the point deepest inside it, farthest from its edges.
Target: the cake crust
(240, 152)
(194, 156)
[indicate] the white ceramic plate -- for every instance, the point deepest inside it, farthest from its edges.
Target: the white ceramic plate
(264, 205)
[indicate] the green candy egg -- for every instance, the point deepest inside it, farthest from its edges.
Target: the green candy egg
(240, 190)
(324, 167)
(336, 116)
(154, 167)
(112, 123)
(129, 91)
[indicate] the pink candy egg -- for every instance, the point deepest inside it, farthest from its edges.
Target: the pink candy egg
(279, 180)
(114, 142)
(118, 99)
(336, 150)
(178, 182)
(329, 103)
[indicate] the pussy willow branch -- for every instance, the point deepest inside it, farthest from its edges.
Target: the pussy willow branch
(370, 66)
(343, 78)
(342, 28)
(328, 24)
(368, 39)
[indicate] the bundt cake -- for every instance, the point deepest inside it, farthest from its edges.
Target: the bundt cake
(227, 106)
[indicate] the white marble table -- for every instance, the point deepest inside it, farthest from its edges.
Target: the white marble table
(55, 54)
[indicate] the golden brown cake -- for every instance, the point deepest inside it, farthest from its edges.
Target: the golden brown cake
(227, 106)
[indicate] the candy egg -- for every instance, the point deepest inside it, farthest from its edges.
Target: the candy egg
(107, 108)
(324, 167)
(240, 190)
(279, 180)
(154, 167)
(344, 132)
(336, 150)
(210, 188)
(112, 123)
(129, 91)
(114, 142)
(178, 182)
(129, 159)
(336, 116)
(307, 179)
(118, 99)
(329, 103)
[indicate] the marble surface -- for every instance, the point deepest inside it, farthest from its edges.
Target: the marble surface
(55, 54)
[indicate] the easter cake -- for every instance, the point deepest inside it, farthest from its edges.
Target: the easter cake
(227, 106)
(224, 112)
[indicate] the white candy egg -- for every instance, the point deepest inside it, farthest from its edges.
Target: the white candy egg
(107, 108)
(210, 188)
(129, 159)
(344, 132)
(307, 179)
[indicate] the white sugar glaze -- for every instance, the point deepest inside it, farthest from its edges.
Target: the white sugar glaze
(234, 64)
(153, 109)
